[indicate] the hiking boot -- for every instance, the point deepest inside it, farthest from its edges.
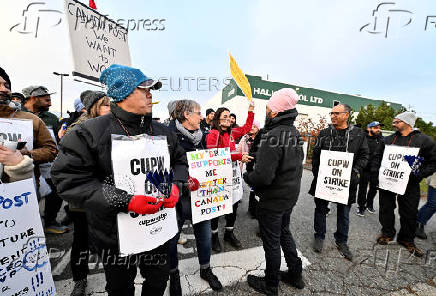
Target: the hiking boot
(344, 250)
(293, 279)
(412, 248)
(360, 212)
(420, 233)
(175, 287)
(318, 244)
(259, 284)
(370, 210)
(230, 237)
(216, 245)
(56, 228)
(384, 239)
(207, 275)
(79, 288)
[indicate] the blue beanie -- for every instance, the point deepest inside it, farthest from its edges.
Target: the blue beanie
(121, 81)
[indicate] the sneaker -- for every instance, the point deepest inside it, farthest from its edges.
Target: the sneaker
(360, 212)
(370, 210)
(259, 284)
(79, 288)
(384, 239)
(207, 275)
(175, 287)
(420, 233)
(412, 248)
(318, 244)
(230, 237)
(182, 239)
(344, 250)
(56, 228)
(295, 280)
(216, 245)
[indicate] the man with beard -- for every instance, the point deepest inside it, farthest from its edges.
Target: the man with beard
(44, 148)
(408, 203)
(370, 173)
(276, 179)
(38, 101)
(207, 121)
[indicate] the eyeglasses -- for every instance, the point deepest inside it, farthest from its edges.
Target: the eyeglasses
(198, 113)
(396, 121)
(337, 113)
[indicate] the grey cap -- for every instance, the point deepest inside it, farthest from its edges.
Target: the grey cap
(36, 91)
(89, 98)
(407, 117)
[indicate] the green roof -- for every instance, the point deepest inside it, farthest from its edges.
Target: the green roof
(263, 89)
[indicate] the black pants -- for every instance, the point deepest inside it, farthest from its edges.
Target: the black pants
(407, 208)
(365, 200)
(120, 272)
(80, 249)
(252, 204)
(53, 204)
(230, 218)
(275, 232)
(342, 220)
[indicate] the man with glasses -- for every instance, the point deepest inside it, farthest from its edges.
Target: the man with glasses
(408, 203)
(339, 136)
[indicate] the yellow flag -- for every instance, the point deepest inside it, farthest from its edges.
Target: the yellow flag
(240, 79)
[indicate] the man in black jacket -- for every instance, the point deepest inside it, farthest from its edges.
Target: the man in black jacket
(276, 179)
(84, 163)
(370, 173)
(408, 203)
(340, 136)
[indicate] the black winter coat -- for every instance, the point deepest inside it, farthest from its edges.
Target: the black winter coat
(427, 150)
(276, 177)
(375, 145)
(330, 139)
(84, 162)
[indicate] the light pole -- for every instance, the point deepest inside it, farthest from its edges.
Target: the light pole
(62, 85)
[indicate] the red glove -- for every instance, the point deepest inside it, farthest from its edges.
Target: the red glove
(193, 184)
(171, 201)
(142, 204)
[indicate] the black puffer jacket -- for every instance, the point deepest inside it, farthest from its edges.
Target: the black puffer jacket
(427, 150)
(329, 138)
(277, 174)
(375, 145)
(84, 162)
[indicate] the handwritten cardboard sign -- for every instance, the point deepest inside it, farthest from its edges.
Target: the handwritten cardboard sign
(334, 176)
(213, 169)
(394, 170)
(24, 259)
(132, 159)
(96, 41)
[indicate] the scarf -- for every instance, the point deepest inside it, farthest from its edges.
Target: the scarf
(194, 137)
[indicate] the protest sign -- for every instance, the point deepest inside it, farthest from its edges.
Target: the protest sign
(394, 170)
(24, 259)
(96, 41)
(132, 159)
(240, 78)
(237, 182)
(334, 176)
(213, 169)
(14, 129)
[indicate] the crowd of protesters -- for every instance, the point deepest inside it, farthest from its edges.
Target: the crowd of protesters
(82, 170)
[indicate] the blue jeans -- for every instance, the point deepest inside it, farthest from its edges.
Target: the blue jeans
(427, 210)
(342, 220)
(202, 234)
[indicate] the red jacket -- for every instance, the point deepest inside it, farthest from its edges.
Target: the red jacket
(215, 140)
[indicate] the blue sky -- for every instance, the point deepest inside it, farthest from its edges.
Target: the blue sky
(313, 44)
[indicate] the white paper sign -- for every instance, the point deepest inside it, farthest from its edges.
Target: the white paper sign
(13, 129)
(24, 260)
(213, 169)
(394, 170)
(238, 191)
(132, 159)
(334, 176)
(96, 41)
